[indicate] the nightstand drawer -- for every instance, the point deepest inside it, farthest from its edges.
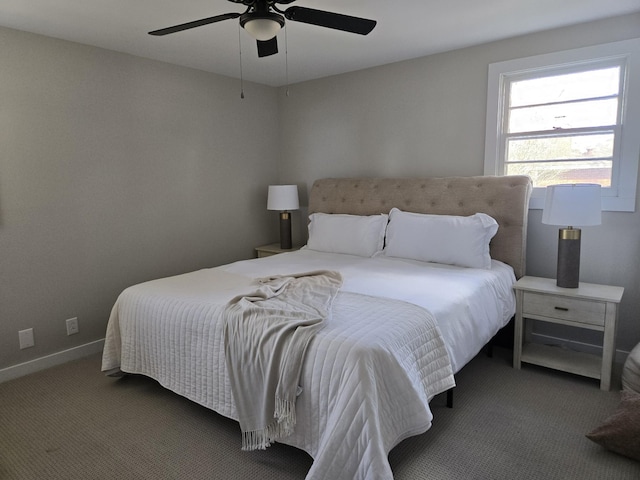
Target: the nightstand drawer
(564, 308)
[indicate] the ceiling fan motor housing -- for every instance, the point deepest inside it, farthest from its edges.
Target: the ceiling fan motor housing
(260, 22)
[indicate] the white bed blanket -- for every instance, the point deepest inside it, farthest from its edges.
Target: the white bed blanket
(367, 377)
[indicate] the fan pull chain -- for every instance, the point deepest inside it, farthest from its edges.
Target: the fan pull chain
(240, 50)
(286, 60)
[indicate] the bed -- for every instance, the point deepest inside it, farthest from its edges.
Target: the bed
(398, 326)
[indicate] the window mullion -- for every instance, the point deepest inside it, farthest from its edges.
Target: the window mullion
(563, 132)
(560, 160)
(565, 102)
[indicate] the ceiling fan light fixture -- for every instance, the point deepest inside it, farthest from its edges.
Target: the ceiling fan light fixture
(262, 26)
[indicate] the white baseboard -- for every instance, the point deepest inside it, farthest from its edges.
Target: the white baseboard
(52, 360)
(620, 355)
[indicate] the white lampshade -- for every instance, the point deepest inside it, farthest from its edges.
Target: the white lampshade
(573, 204)
(283, 197)
(262, 28)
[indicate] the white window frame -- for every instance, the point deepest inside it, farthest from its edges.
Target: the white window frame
(621, 196)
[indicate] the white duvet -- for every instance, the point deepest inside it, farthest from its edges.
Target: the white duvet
(368, 375)
(469, 304)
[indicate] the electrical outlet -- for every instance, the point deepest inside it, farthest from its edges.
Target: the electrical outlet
(26, 338)
(72, 326)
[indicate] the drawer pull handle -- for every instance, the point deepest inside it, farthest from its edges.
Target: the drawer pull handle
(562, 308)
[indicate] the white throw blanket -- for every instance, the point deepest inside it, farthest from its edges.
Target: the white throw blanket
(266, 334)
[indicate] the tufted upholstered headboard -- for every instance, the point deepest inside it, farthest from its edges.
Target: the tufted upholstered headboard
(504, 198)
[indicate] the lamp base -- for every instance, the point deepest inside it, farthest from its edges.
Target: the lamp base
(285, 230)
(568, 273)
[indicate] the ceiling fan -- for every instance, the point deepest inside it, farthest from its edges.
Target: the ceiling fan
(263, 20)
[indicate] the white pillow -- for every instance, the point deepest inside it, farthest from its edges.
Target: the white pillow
(350, 234)
(448, 239)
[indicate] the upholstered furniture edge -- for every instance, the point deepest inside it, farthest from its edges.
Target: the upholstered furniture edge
(505, 198)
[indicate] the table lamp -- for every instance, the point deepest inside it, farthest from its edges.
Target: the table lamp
(283, 198)
(574, 205)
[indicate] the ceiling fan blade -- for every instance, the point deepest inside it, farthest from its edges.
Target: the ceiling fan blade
(194, 24)
(266, 48)
(337, 21)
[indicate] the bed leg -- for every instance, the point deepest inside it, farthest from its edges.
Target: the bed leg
(450, 398)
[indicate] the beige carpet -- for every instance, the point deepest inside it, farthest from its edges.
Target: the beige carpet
(71, 422)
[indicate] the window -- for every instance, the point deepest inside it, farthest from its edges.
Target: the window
(568, 117)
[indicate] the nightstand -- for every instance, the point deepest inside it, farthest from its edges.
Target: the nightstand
(273, 249)
(589, 306)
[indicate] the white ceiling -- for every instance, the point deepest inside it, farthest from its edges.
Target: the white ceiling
(406, 29)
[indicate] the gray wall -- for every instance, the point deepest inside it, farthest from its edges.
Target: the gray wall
(115, 170)
(427, 117)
